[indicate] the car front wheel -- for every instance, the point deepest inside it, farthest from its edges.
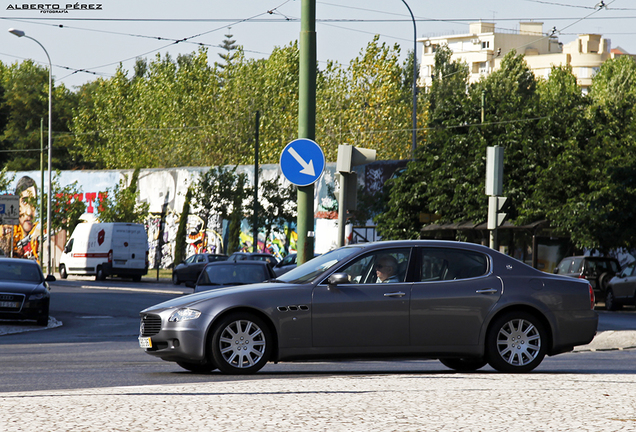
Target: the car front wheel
(516, 342)
(175, 279)
(241, 344)
(610, 301)
(464, 364)
(63, 273)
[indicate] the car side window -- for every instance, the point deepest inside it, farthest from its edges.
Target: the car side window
(200, 258)
(190, 260)
(384, 266)
(577, 266)
(438, 264)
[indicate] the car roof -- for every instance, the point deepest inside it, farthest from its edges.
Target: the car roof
(234, 263)
(21, 260)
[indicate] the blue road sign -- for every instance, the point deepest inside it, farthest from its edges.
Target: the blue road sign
(302, 162)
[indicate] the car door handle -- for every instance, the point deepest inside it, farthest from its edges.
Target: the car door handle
(395, 294)
(487, 291)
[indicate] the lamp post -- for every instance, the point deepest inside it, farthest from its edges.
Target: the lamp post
(20, 33)
(414, 115)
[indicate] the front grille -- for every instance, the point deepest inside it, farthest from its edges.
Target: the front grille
(10, 302)
(150, 325)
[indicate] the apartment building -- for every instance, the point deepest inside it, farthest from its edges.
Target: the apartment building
(483, 48)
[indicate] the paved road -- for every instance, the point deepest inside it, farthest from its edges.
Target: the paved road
(352, 396)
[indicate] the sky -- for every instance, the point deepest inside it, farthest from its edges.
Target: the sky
(90, 42)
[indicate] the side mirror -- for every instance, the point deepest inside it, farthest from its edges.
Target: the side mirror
(50, 278)
(338, 279)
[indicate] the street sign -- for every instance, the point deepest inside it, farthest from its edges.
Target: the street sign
(9, 209)
(302, 162)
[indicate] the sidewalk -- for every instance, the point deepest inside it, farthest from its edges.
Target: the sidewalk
(424, 402)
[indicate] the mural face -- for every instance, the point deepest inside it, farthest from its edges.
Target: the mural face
(25, 236)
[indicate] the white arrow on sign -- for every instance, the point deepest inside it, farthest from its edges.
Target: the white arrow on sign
(308, 167)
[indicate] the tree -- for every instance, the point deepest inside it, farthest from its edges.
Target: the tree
(221, 192)
(120, 203)
(180, 240)
(277, 206)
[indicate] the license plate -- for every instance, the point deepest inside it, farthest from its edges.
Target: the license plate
(145, 342)
(12, 305)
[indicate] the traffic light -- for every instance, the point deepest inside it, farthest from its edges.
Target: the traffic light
(497, 207)
(350, 156)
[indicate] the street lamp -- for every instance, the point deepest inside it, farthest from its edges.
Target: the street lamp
(414, 115)
(20, 33)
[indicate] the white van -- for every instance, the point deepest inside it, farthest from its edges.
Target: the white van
(106, 249)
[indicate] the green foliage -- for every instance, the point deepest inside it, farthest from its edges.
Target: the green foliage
(221, 192)
(120, 203)
(276, 205)
(5, 180)
(180, 240)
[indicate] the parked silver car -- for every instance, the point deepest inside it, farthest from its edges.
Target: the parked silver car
(462, 303)
(621, 290)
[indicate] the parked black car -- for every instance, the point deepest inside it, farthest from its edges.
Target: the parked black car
(621, 290)
(190, 269)
(597, 270)
(232, 273)
(254, 256)
(24, 291)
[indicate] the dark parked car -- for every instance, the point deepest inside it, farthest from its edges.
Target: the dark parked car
(233, 273)
(190, 269)
(254, 256)
(286, 264)
(597, 270)
(462, 303)
(621, 290)
(24, 291)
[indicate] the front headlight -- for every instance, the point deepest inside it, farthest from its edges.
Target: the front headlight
(184, 314)
(38, 296)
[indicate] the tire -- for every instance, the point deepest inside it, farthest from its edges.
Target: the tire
(516, 342)
(603, 280)
(136, 278)
(63, 273)
(241, 344)
(197, 367)
(43, 320)
(100, 276)
(610, 301)
(175, 279)
(464, 364)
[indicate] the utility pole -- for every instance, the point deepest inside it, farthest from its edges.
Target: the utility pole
(306, 124)
(256, 145)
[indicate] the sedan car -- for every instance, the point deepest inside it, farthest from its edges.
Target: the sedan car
(254, 256)
(190, 269)
(597, 270)
(464, 304)
(621, 290)
(233, 273)
(24, 291)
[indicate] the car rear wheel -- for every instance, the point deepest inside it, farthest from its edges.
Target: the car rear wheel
(197, 367)
(464, 364)
(610, 301)
(63, 273)
(241, 344)
(516, 342)
(99, 275)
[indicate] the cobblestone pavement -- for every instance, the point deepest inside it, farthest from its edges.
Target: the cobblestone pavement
(423, 402)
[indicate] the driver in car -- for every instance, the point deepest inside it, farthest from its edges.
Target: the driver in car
(385, 269)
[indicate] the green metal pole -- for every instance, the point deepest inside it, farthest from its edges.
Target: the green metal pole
(306, 124)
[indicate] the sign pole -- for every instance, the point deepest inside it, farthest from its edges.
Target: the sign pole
(306, 124)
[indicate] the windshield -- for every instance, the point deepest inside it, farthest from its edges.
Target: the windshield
(309, 271)
(20, 270)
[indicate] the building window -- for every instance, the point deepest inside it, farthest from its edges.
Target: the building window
(483, 67)
(485, 44)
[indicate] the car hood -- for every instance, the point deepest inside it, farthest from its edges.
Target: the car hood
(191, 300)
(19, 287)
